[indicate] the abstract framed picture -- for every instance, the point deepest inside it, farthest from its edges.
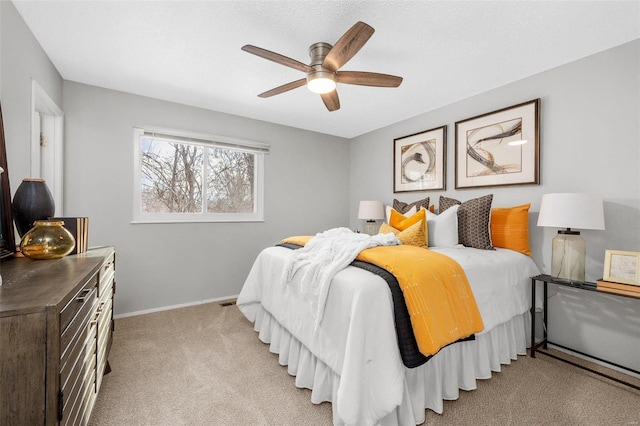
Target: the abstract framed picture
(499, 148)
(419, 161)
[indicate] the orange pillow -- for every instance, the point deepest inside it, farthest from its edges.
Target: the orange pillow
(412, 236)
(510, 228)
(401, 222)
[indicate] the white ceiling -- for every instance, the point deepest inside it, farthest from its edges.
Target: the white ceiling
(189, 51)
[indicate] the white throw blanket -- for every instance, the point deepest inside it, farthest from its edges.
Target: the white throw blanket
(323, 257)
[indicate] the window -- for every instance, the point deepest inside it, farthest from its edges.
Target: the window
(189, 177)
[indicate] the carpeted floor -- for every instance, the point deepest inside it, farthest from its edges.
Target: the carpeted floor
(204, 365)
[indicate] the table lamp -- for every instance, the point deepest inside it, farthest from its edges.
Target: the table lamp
(568, 249)
(370, 211)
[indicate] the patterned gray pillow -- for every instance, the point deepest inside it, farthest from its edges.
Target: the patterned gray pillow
(474, 218)
(401, 207)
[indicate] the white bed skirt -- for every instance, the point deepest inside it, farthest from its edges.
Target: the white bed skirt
(426, 387)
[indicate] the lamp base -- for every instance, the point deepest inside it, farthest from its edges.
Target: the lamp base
(568, 253)
(370, 227)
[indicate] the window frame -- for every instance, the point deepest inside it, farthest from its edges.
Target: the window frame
(210, 141)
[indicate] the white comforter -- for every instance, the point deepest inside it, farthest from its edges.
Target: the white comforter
(357, 338)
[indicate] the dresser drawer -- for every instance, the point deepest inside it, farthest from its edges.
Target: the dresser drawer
(105, 296)
(74, 369)
(106, 275)
(104, 343)
(76, 303)
(74, 356)
(85, 415)
(104, 315)
(78, 324)
(81, 392)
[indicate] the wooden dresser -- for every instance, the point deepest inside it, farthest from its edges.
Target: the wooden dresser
(56, 327)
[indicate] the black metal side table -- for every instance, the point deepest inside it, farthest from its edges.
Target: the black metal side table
(535, 347)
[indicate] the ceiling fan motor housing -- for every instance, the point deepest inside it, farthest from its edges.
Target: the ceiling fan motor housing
(317, 52)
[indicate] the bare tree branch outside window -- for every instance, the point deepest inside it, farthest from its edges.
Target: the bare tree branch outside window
(230, 181)
(172, 178)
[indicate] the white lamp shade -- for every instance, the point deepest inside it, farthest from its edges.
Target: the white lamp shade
(371, 210)
(571, 210)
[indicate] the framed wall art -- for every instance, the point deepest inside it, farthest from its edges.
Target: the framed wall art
(499, 148)
(419, 161)
(622, 267)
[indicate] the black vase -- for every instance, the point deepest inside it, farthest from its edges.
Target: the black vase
(32, 201)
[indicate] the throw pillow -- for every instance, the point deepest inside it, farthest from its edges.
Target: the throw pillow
(403, 207)
(473, 220)
(410, 212)
(443, 228)
(510, 228)
(413, 235)
(401, 222)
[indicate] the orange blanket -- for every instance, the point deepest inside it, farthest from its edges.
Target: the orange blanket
(438, 296)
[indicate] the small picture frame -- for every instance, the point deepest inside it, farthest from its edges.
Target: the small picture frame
(419, 161)
(499, 148)
(622, 267)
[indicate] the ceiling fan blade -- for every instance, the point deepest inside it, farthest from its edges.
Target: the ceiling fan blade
(283, 88)
(277, 58)
(348, 45)
(368, 79)
(331, 100)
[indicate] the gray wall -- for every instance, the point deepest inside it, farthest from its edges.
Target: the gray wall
(590, 142)
(21, 60)
(159, 265)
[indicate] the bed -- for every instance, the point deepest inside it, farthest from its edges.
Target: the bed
(352, 358)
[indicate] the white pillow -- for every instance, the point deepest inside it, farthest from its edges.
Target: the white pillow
(443, 228)
(411, 212)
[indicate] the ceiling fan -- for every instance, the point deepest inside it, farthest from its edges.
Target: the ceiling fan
(326, 60)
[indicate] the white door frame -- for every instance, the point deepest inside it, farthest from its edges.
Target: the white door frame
(47, 142)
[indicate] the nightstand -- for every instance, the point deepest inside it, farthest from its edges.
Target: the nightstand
(535, 347)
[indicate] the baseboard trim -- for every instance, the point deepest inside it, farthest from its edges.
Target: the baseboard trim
(593, 360)
(168, 308)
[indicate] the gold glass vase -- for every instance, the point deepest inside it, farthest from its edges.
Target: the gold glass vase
(48, 239)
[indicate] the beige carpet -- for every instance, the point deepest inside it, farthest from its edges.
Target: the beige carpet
(204, 365)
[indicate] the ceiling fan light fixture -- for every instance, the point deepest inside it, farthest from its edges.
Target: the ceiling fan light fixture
(321, 85)
(321, 82)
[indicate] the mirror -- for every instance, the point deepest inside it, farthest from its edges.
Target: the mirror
(7, 238)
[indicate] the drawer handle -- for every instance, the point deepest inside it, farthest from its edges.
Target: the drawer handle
(101, 307)
(83, 297)
(94, 321)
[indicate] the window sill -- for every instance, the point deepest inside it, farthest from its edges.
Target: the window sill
(203, 220)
